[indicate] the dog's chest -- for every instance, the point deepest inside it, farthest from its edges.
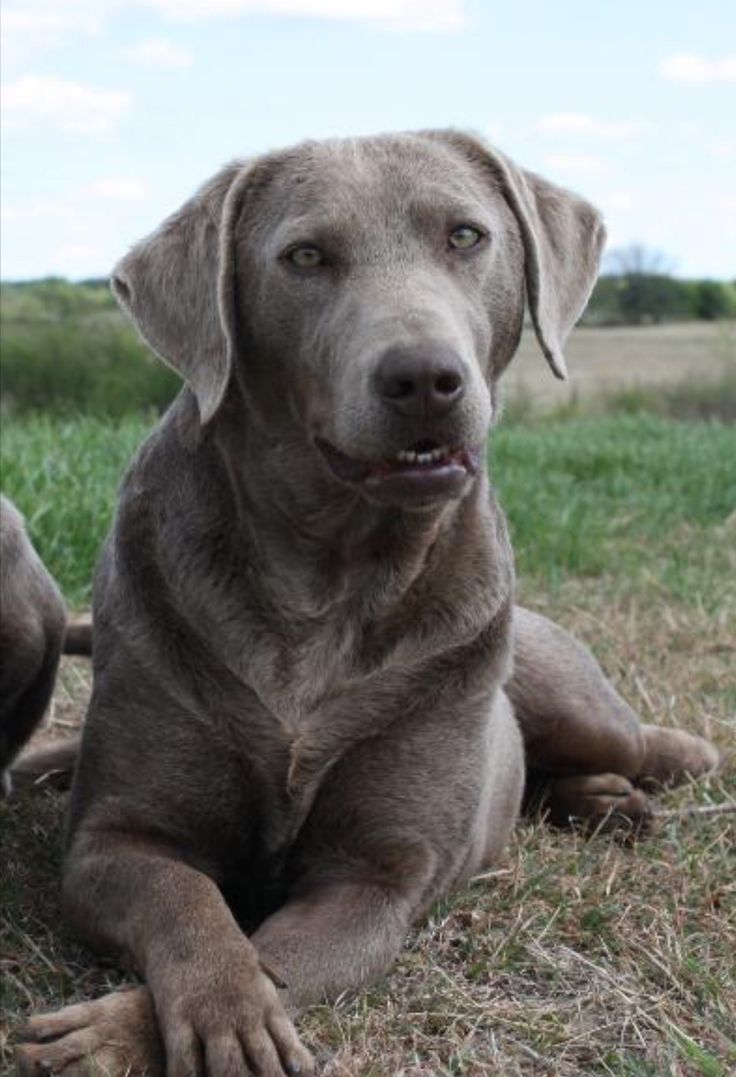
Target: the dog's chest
(294, 671)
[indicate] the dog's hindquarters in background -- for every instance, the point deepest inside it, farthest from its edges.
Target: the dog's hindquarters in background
(31, 636)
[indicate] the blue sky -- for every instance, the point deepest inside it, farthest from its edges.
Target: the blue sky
(113, 112)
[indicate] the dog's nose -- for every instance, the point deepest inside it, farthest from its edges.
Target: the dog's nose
(420, 382)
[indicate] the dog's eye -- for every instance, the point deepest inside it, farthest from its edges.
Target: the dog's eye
(464, 237)
(305, 256)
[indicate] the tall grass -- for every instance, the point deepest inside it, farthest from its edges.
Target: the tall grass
(67, 349)
(63, 474)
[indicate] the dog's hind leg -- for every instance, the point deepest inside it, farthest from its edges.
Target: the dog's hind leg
(52, 762)
(26, 709)
(585, 746)
(672, 756)
(49, 763)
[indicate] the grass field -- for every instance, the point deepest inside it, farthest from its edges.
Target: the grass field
(674, 369)
(577, 957)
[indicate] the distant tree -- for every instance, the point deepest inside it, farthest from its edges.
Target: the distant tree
(636, 287)
(713, 300)
(645, 288)
(637, 260)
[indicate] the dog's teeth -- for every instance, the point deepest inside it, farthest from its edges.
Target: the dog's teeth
(408, 456)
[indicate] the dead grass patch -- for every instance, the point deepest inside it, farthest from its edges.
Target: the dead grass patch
(632, 363)
(578, 956)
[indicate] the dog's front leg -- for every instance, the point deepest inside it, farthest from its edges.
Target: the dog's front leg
(218, 1013)
(337, 936)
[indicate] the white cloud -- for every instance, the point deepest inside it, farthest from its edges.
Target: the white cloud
(722, 149)
(688, 67)
(34, 16)
(77, 202)
(117, 188)
(397, 14)
(33, 27)
(23, 21)
(160, 53)
(574, 162)
(71, 106)
(35, 209)
(578, 123)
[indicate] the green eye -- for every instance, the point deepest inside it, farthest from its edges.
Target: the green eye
(464, 237)
(305, 257)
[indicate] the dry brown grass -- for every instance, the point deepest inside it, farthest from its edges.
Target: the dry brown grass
(606, 361)
(577, 956)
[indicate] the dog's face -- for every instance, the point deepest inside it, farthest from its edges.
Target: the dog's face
(366, 295)
(373, 281)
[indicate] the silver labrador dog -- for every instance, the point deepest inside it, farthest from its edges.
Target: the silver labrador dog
(312, 693)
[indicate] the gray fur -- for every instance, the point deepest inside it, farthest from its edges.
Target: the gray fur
(32, 619)
(299, 723)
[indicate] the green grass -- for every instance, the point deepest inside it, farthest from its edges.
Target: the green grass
(625, 497)
(621, 498)
(63, 474)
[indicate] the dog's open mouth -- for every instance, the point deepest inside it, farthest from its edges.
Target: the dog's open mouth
(424, 469)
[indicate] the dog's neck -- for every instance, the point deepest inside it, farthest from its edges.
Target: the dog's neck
(313, 589)
(319, 542)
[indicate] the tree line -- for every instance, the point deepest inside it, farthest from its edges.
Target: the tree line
(67, 346)
(637, 288)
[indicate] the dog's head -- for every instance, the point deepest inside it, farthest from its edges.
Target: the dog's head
(366, 294)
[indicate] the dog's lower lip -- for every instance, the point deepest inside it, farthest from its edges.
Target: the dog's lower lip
(429, 467)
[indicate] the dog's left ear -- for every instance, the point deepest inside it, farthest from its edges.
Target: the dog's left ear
(563, 236)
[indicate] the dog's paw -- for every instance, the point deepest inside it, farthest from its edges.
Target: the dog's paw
(227, 1011)
(672, 756)
(597, 802)
(115, 1036)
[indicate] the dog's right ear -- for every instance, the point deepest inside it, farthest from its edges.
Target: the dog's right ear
(177, 286)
